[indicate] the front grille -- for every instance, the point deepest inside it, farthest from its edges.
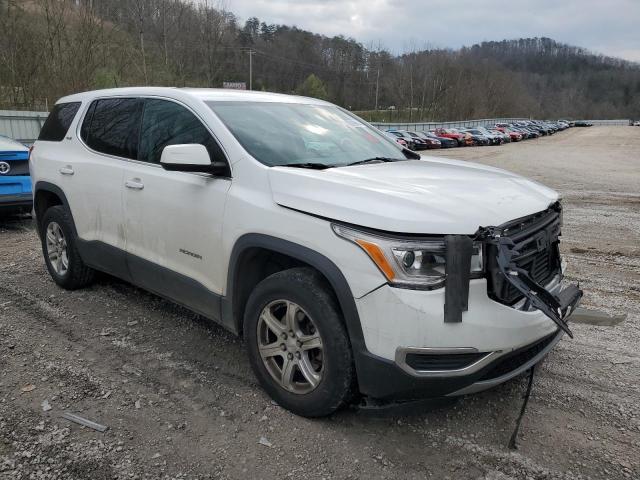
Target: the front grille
(516, 359)
(539, 254)
(17, 167)
(18, 163)
(439, 362)
(542, 267)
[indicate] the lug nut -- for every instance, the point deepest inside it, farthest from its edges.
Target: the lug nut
(284, 336)
(289, 355)
(283, 347)
(299, 344)
(297, 354)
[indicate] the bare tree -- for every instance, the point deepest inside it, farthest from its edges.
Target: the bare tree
(49, 48)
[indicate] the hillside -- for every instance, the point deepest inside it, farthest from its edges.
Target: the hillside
(49, 48)
(568, 80)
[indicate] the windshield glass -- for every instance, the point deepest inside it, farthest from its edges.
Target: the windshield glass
(292, 133)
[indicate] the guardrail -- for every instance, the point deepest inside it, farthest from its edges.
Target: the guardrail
(22, 126)
(422, 126)
(620, 122)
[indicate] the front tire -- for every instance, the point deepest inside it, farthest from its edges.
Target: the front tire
(297, 343)
(60, 250)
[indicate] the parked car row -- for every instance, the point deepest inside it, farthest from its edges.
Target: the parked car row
(497, 134)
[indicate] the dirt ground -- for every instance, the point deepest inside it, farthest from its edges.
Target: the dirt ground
(181, 402)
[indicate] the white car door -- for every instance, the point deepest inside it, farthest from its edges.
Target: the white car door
(92, 179)
(173, 220)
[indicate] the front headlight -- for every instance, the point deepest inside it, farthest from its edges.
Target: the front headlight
(406, 262)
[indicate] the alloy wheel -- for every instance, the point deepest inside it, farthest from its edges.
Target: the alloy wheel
(57, 248)
(290, 346)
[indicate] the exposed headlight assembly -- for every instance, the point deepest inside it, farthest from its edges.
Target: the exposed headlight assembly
(409, 263)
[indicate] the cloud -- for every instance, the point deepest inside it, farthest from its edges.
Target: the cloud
(399, 25)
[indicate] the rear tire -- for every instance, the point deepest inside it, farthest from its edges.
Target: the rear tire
(297, 343)
(60, 250)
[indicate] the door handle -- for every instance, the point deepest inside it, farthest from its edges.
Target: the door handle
(134, 184)
(68, 170)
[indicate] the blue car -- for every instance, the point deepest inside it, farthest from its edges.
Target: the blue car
(15, 182)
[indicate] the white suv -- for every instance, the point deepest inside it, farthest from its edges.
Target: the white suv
(352, 267)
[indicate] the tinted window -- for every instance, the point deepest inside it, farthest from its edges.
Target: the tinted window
(58, 122)
(167, 123)
(112, 126)
(86, 123)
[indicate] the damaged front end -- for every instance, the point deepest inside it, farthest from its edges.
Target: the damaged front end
(523, 268)
(555, 306)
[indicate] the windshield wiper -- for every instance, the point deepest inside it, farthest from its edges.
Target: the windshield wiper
(372, 160)
(310, 165)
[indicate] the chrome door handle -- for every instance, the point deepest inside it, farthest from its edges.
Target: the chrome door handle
(134, 184)
(68, 170)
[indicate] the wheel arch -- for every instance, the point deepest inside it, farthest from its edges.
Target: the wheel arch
(241, 280)
(46, 195)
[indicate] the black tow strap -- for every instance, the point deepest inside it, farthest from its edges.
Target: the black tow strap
(514, 436)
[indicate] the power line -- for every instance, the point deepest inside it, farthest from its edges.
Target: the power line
(289, 60)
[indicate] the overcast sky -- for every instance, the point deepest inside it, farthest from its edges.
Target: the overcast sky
(611, 27)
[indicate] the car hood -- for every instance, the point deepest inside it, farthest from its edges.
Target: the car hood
(9, 145)
(428, 196)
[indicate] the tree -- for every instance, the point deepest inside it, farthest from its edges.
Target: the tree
(50, 48)
(313, 87)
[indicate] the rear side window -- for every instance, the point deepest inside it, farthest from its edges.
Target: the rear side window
(167, 123)
(112, 126)
(58, 122)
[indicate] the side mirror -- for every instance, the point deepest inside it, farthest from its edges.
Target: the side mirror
(190, 158)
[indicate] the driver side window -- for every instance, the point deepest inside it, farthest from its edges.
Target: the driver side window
(167, 123)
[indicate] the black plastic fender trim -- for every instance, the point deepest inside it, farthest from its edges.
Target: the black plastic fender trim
(318, 261)
(42, 186)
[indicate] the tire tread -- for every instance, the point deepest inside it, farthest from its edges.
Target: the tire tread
(79, 275)
(307, 283)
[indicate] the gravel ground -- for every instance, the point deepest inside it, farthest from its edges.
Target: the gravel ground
(180, 400)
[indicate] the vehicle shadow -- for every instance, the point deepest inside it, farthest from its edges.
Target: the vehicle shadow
(415, 408)
(16, 222)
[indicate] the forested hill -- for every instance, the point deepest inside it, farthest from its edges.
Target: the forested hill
(567, 79)
(49, 48)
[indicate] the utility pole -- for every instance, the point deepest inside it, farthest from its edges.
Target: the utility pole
(250, 69)
(377, 84)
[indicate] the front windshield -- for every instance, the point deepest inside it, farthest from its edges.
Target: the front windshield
(293, 134)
